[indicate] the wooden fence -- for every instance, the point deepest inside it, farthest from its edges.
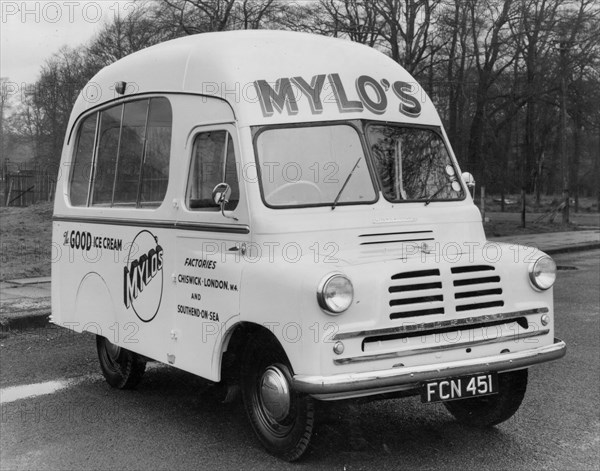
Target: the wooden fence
(24, 185)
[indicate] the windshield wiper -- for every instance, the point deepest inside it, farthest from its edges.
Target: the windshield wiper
(428, 200)
(335, 202)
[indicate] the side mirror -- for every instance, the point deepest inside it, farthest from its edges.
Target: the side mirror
(468, 179)
(220, 195)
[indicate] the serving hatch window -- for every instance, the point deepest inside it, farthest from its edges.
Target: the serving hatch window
(412, 164)
(313, 166)
(122, 155)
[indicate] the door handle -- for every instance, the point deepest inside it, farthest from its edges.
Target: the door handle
(238, 248)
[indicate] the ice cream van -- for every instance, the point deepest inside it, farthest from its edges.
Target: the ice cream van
(282, 214)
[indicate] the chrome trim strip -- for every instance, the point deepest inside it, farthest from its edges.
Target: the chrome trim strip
(373, 382)
(440, 324)
(427, 349)
(380, 242)
(181, 225)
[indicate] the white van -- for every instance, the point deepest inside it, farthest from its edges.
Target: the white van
(282, 213)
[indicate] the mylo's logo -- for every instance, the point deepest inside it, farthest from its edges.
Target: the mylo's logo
(143, 276)
(372, 95)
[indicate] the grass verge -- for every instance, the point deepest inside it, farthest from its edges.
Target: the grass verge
(25, 241)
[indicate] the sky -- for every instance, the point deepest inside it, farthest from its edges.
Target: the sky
(31, 31)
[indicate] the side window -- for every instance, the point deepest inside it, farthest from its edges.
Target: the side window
(155, 168)
(131, 152)
(130, 164)
(213, 162)
(106, 160)
(82, 163)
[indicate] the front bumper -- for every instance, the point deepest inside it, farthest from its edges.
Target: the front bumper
(397, 379)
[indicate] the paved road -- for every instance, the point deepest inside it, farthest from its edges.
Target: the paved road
(172, 422)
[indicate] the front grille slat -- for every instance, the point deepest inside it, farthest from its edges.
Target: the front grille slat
(474, 294)
(471, 269)
(415, 274)
(477, 281)
(422, 286)
(422, 299)
(421, 312)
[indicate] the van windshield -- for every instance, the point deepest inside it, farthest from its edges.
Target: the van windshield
(309, 166)
(412, 164)
(317, 165)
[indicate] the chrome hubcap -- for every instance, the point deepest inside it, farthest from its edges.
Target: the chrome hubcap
(275, 393)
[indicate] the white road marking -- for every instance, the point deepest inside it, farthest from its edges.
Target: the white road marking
(26, 391)
(16, 393)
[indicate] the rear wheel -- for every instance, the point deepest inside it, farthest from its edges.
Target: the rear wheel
(282, 418)
(487, 411)
(122, 368)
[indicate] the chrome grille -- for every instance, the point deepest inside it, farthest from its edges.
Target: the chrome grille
(421, 292)
(416, 293)
(476, 287)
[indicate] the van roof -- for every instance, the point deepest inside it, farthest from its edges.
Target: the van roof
(271, 77)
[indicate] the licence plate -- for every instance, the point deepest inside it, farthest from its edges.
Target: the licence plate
(462, 387)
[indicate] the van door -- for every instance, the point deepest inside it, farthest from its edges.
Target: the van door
(210, 250)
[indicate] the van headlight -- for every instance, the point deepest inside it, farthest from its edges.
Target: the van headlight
(542, 272)
(335, 293)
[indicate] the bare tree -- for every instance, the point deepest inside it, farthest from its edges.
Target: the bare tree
(408, 26)
(579, 36)
(46, 107)
(358, 20)
(253, 14)
(490, 40)
(5, 105)
(455, 27)
(533, 28)
(139, 28)
(201, 16)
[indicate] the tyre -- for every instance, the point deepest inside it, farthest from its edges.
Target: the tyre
(487, 411)
(121, 368)
(282, 418)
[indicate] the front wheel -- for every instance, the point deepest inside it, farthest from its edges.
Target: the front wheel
(282, 418)
(487, 411)
(121, 368)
